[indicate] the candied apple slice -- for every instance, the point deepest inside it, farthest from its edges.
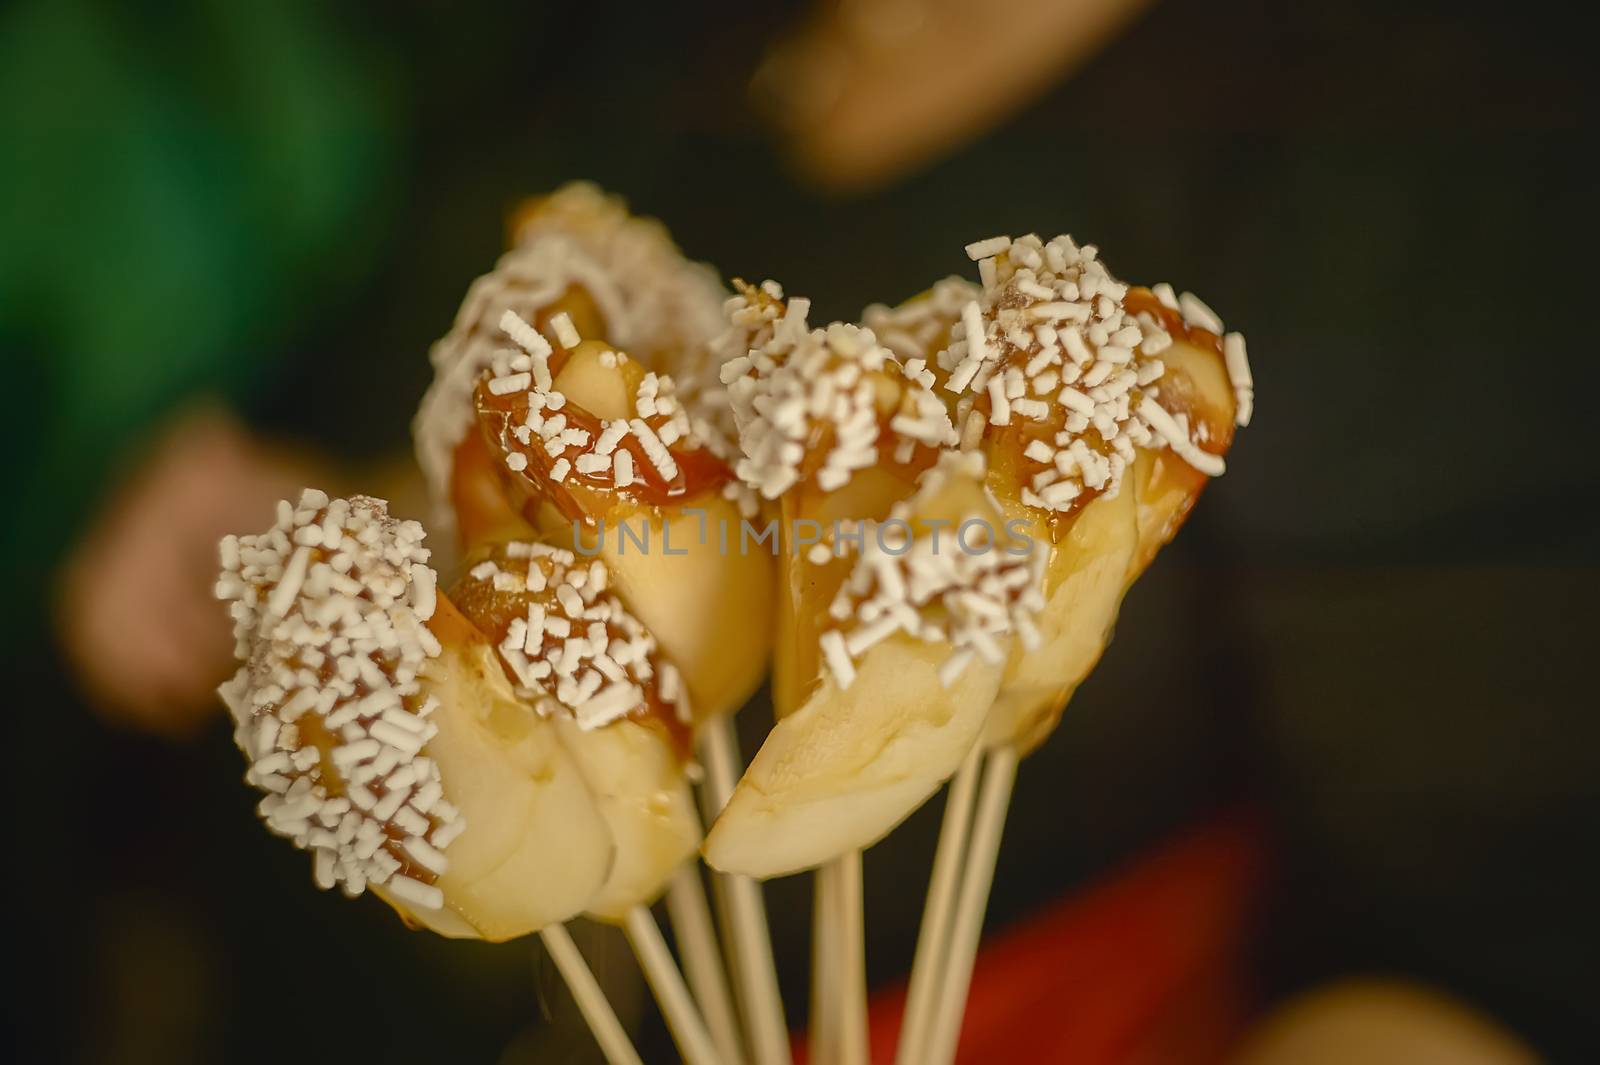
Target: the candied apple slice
(386, 736)
(1102, 418)
(574, 652)
(617, 278)
(911, 661)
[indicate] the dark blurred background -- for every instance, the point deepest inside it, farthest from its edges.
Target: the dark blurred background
(229, 231)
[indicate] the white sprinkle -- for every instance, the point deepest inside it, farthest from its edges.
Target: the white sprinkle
(288, 587)
(1072, 399)
(1098, 373)
(1169, 429)
(1057, 311)
(322, 868)
(1034, 289)
(972, 430)
(1077, 350)
(1195, 312)
(963, 375)
(953, 666)
(1244, 406)
(977, 341)
(838, 658)
(524, 335)
(565, 332)
(424, 597)
(591, 464)
(443, 835)
(1155, 342)
(426, 855)
(1058, 495)
(351, 753)
(610, 437)
(613, 702)
(504, 386)
(390, 804)
(1016, 383)
(415, 892)
(228, 552)
(623, 474)
(1238, 363)
(403, 740)
(654, 449)
(984, 249)
(999, 405)
(302, 700)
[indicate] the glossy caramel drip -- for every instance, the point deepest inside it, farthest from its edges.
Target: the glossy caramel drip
(699, 471)
(1009, 465)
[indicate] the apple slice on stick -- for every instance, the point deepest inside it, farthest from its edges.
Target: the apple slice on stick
(581, 260)
(596, 451)
(1103, 410)
(912, 659)
(389, 744)
(882, 676)
(388, 717)
(871, 717)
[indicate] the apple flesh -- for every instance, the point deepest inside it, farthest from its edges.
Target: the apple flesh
(839, 772)
(842, 771)
(1084, 578)
(537, 848)
(637, 781)
(1107, 546)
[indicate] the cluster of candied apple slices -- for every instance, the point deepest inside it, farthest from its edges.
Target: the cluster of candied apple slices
(1088, 414)
(927, 522)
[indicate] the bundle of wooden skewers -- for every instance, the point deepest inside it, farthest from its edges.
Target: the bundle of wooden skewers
(654, 489)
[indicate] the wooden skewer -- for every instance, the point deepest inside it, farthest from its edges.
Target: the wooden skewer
(933, 939)
(661, 972)
(592, 1002)
(850, 926)
(1000, 774)
(757, 984)
(702, 960)
(824, 1028)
